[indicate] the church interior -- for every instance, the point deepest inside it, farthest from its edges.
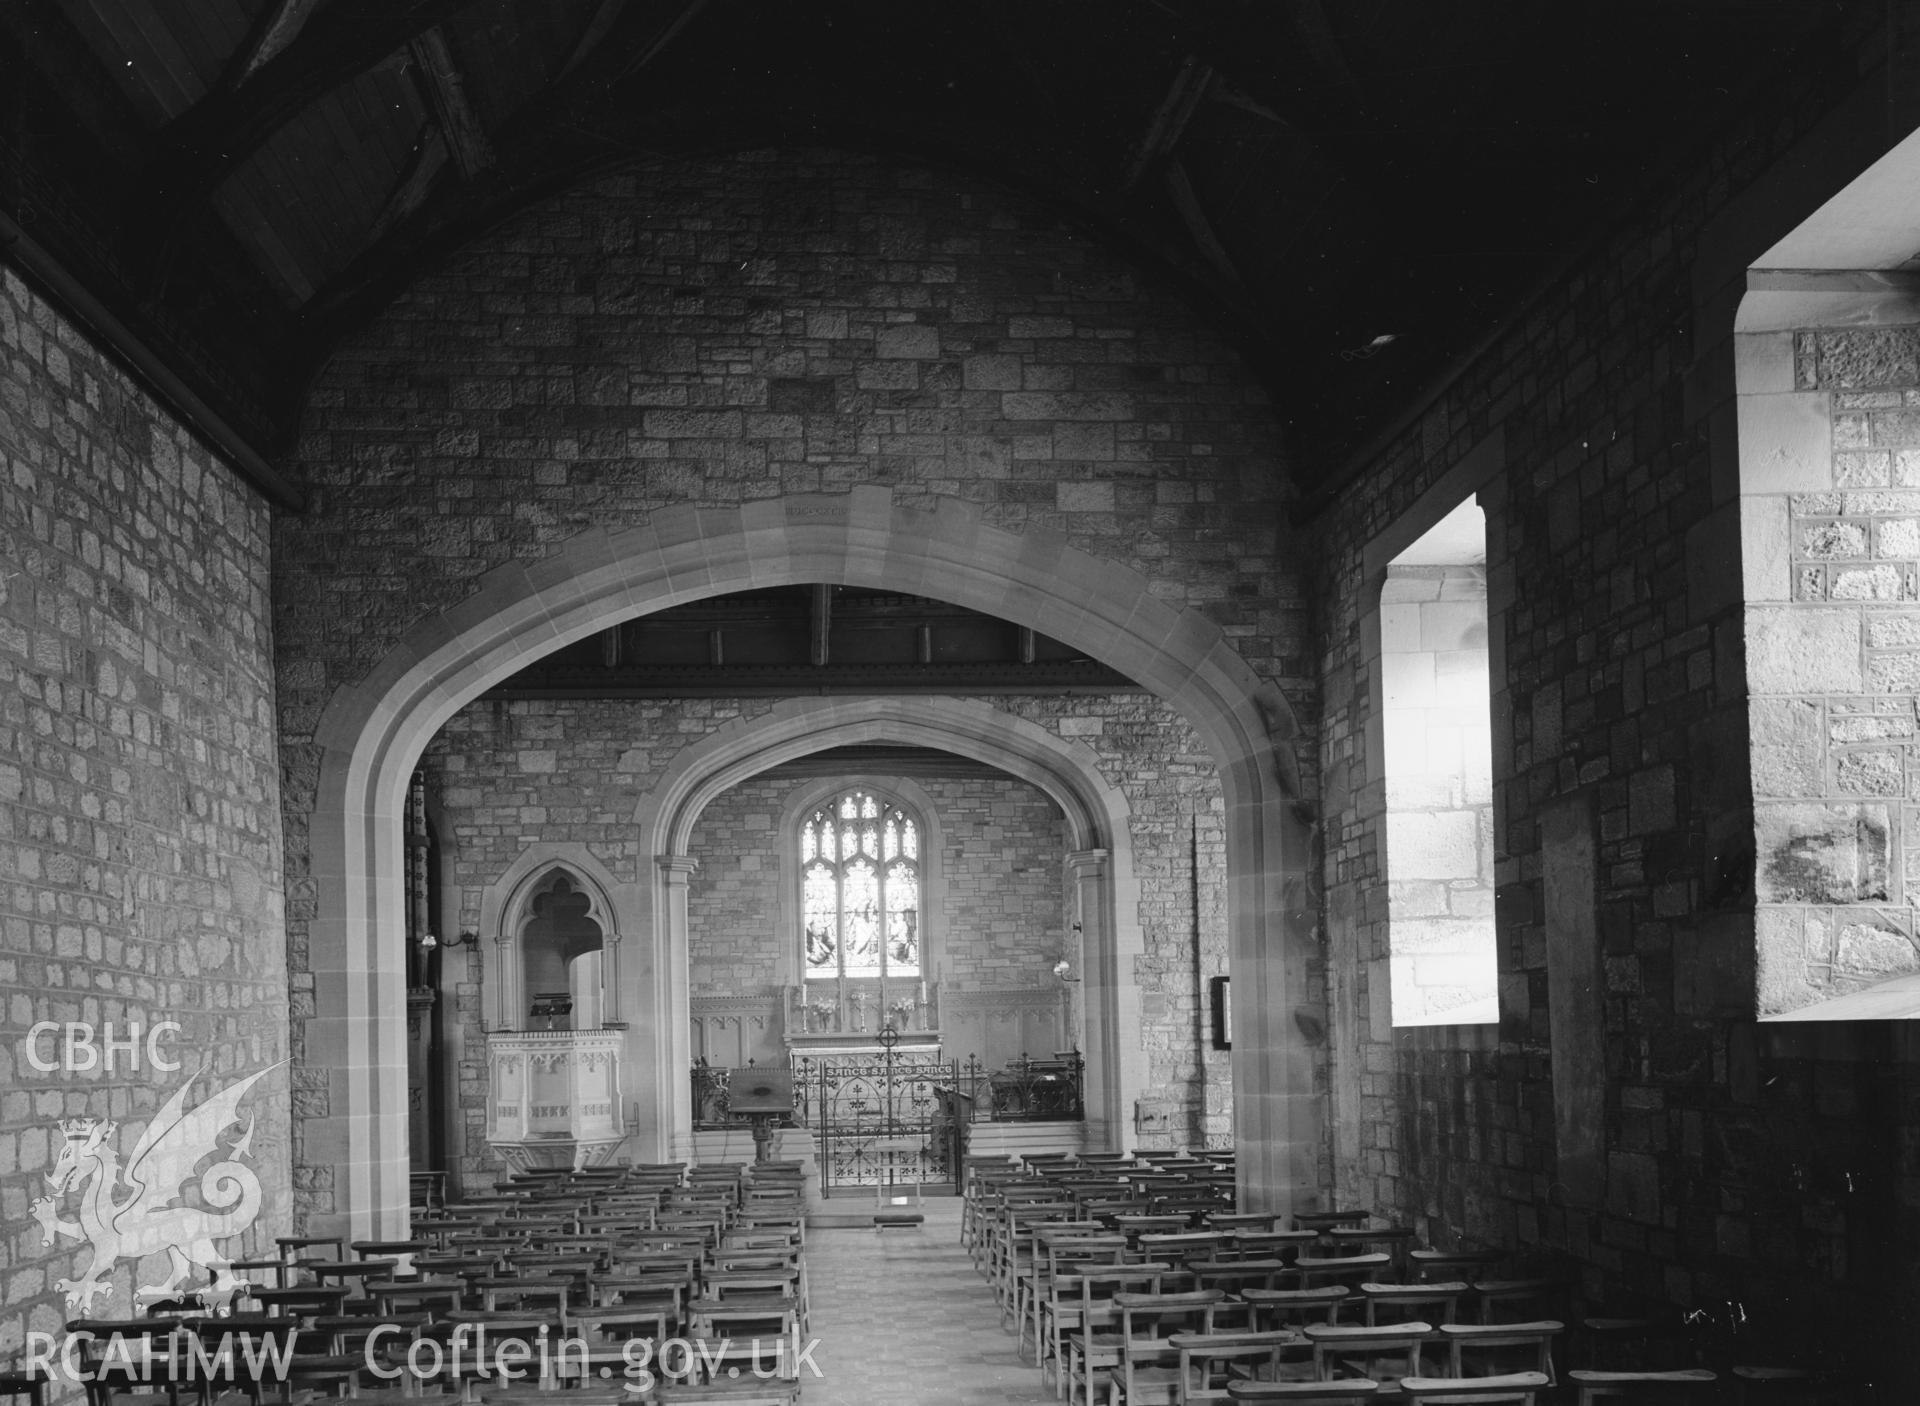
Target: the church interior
(1297, 621)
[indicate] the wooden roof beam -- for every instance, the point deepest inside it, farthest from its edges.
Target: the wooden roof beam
(414, 183)
(421, 209)
(1194, 216)
(445, 92)
(822, 625)
(337, 44)
(1170, 119)
(598, 28)
(278, 25)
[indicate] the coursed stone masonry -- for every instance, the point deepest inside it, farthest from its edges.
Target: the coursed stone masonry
(1737, 1184)
(510, 775)
(690, 333)
(1835, 672)
(140, 856)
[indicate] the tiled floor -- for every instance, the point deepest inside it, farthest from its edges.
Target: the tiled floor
(904, 1320)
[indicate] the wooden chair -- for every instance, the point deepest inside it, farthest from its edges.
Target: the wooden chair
(1381, 1304)
(1010, 1251)
(428, 1296)
(1257, 1221)
(487, 1340)
(1424, 1265)
(1316, 1272)
(1296, 1308)
(1149, 1362)
(1058, 1254)
(603, 1346)
(1794, 1386)
(1306, 1393)
(1506, 1389)
(1521, 1299)
(1235, 1278)
(1383, 1355)
(1395, 1241)
(1184, 1245)
(1271, 1244)
(775, 1288)
(1208, 1361)
(30, 1385)
(716, 1319)
(1322, 1221)
(1693, 1386)
(131, 1362)
(1087, 1339)
(1502, 1347)
(525, 1295)
(737, 1372)
(1658, 1341)
(1134, 1226)
(297, 1300)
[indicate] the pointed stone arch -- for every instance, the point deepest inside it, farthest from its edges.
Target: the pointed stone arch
(372, 732)
(506, 905)
(1101, 866)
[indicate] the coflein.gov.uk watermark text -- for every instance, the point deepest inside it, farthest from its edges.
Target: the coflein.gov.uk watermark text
(391, 1353)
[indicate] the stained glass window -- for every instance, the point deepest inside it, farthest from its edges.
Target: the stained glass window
(860, 888)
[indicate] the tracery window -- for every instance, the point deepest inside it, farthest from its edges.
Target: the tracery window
(860, 888)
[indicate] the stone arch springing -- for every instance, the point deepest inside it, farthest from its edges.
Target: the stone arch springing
(371, 734)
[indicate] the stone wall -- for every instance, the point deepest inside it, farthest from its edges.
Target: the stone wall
(1760, 1177)
(139, 789)
(505, 776)
(1833, 646)
(1002, 890)
(707, 333)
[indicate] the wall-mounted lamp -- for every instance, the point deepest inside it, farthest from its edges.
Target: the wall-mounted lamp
(466, 939)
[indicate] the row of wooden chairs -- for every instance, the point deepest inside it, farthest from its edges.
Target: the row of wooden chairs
(1286, 1305)
(613, 1266)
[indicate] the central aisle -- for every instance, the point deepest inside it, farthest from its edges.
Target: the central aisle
(902, 1317)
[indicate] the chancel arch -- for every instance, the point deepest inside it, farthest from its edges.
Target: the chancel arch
(373, 731)
(1099, 864)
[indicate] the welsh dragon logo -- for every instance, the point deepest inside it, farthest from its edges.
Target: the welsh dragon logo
(148, 1218)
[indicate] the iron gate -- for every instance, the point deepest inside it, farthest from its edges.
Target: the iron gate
(876, 1117)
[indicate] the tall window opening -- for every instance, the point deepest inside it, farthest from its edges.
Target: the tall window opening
(1438, 743)
(860, 888)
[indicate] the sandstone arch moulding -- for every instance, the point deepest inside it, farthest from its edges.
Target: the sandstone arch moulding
(372, 733)
(1100, 866)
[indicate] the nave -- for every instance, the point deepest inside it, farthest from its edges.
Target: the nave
(1115, 1279)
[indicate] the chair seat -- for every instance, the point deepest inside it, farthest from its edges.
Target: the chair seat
(1521, 1387)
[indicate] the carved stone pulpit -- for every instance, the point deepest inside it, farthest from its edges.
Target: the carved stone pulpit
(553, 1097)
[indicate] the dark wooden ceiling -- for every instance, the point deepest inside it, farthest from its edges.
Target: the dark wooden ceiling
(1356, 189)
(814, 639)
